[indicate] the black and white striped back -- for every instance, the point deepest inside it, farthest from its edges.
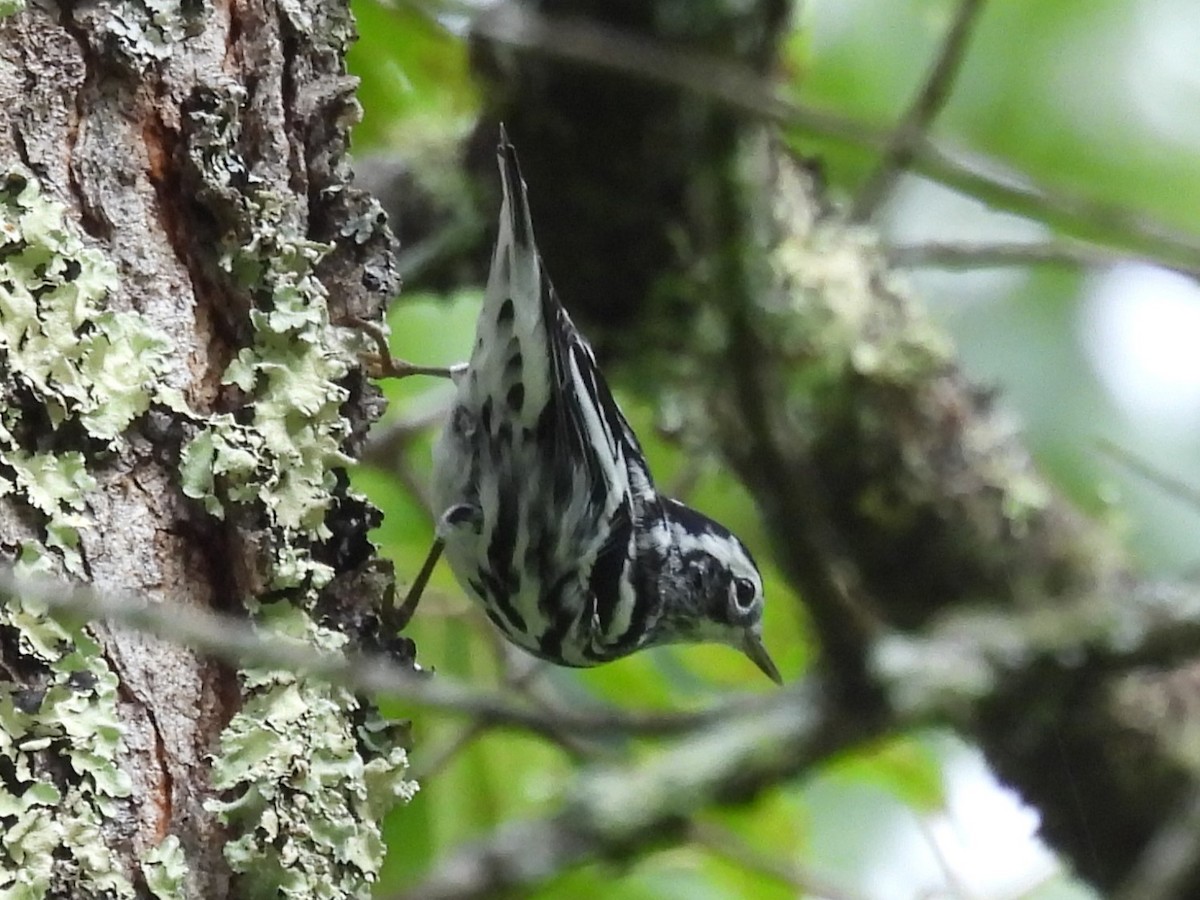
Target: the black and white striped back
(544, 474)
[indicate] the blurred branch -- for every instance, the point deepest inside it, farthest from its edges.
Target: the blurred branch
(432, 213)
(522, 682)
(994, 599)
(976, 255)
(729, 845)
(901, 148)
(388, 446)
(391, 440)
(740, 88)
(427, 763)
(1168, 484)
(235, 641)
(727, 754)
(955, 886)
(436, 249)
(621, 812)
(966, 655)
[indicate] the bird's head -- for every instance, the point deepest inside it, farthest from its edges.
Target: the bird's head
(712, 588)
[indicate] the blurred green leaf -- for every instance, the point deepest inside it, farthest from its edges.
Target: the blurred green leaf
(414, 82)
(906, 767)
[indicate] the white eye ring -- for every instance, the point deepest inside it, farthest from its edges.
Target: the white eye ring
(743, 593)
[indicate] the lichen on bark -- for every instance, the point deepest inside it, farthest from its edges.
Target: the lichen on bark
(306, 768)
(76, 370)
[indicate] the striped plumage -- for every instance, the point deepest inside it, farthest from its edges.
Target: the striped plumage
(551, 519)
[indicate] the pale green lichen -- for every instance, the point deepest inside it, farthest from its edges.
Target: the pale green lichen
(72, 365)
(308, 785)
(837, 295)
(285, 458)
(81, 366)
(305, 786)
(165, 869)
(52, 836)
(55, 484)
(11, 7)
(145, 31)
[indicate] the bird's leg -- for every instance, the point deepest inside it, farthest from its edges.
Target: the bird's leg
(404, 612)
(455, 517)
(382, 364)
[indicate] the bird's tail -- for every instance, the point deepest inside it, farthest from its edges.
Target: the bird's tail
(511, 360)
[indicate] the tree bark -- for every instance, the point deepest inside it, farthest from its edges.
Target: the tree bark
(180, 239)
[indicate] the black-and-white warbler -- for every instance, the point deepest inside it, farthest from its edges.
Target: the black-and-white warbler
(549, 516)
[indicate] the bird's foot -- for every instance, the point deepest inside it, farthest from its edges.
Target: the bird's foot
(381, 363)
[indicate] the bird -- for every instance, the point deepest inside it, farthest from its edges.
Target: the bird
(547, 512)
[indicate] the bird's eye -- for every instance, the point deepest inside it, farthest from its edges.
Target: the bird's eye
(743, 592)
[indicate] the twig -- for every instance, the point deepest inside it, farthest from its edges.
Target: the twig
(520, 682)
(391, 439)
(522, 674)
(615, 813)
(427, 764)
(902, 143)
(445, 244)
(981, 255)
(1169, 484)
(740, 88)
(727, 844)
(955, 885)
(687, 477)
(232, 639)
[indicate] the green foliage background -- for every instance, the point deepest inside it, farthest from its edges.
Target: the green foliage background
(1046, 89)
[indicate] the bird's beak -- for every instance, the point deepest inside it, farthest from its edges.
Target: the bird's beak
(753, 647)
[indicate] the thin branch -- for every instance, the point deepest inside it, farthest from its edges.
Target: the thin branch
(1001, 254)
(731, 846)
(522, 675)
(741, 88)
(233, 640)
(427, 763)
(902, 144)
(955, 886)
(1168, 484)
(448, 243)
(962, 657)
(616, 813)
(392, 439)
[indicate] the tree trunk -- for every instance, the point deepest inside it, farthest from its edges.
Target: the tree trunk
(179, 241)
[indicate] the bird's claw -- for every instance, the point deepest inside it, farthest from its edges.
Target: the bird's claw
(381, 364)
